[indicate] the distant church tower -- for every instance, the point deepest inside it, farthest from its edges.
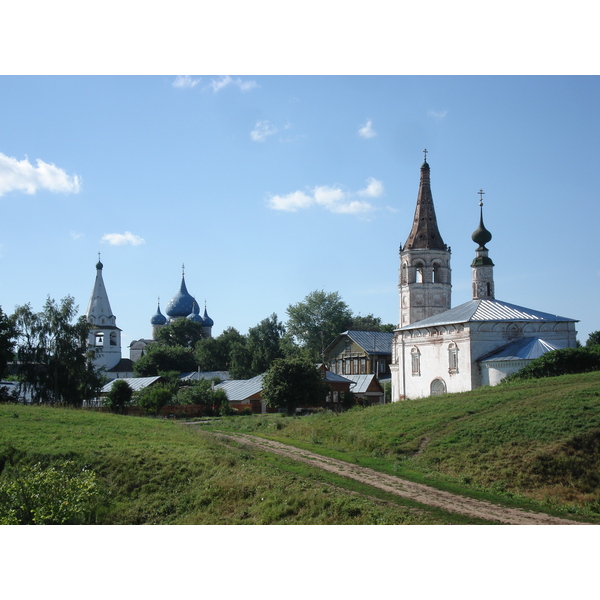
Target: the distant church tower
(482, 265)
(425, 276)
(104, 334)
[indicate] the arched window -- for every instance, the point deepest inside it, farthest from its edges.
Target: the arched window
(415, 356)
(419, 273)
(113, 339)
(438, 387)
(452, 358)
(99, 338)
(437, 273)
(404, 274)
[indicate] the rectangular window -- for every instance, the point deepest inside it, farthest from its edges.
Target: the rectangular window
(363, 366)
(355, 366)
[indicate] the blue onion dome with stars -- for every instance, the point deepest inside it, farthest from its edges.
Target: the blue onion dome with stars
(195, 315)
(182, 303)
(158, 318)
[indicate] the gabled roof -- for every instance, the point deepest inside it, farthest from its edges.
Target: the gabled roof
(372, 342)
(524, 349)
(135, 383)
(485, 310)
(196, 376)
(362, 382)
(241, 389)
(332, 377)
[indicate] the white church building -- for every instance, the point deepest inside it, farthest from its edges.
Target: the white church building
(438, 349)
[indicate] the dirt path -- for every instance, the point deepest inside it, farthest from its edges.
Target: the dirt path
(401, 487)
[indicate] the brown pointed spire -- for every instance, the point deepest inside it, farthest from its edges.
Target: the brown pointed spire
(425, 233)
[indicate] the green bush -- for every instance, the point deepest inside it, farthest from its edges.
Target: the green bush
(119, 397)
(566, 361)
(56, 495)
(152, 399)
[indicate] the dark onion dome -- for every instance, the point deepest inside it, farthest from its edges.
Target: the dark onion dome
(481, 235)
(195, 314)
(208, 322)
(158, 318)
(182, 303)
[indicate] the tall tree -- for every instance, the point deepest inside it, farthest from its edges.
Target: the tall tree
(214, 354)
(264, 344)
(290, 383)
(317, 320)
(8, 335)
(53, 360)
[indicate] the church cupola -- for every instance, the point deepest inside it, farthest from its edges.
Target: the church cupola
(157, 321)
(182, 303)
(482, 265)
(425, 276)
(207, 323)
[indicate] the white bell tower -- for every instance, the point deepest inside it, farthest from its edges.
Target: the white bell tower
(104, 336)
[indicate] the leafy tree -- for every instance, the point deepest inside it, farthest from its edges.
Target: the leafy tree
(119, 396)
(54, 362)
(8, 335)
(160, 357)
(317, 320)
(214, 354)
(264, 344)
(181, 332)
(593, 339)
(290, 383)
(369, 323)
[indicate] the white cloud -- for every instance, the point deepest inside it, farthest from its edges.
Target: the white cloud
(76, 236)
(290, 202)
(334, 199)
(374, 188)
(185, 81)
(438, 115)
(262, 130)
(22, 175)
(226, 80)
(120, 239)
(367, 131)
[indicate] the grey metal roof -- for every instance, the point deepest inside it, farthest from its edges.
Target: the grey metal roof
(372, 342)
(334, 377)
(125, 365)
(241, 389)
(196, 376)
(485, 310)
(135, 383)
(524, 349)
(362, 382)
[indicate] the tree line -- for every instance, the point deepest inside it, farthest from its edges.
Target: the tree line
(49, 355)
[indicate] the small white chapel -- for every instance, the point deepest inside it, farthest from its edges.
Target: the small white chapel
(438, 349)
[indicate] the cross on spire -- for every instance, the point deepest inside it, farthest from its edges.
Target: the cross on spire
(425, 154)
(183, 269)
(481, 193)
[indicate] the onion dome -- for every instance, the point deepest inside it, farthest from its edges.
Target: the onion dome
(208, 322)
(195, 314)
(182, 303)
(481, 235)
(158, 318)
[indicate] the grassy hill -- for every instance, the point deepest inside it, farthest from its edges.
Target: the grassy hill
(535, 444)
(537, 440)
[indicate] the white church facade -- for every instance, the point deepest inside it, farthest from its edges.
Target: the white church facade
(438, 349)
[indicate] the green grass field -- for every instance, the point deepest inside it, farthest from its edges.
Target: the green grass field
(533, 444)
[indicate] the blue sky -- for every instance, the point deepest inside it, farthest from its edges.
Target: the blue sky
(270, 187)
